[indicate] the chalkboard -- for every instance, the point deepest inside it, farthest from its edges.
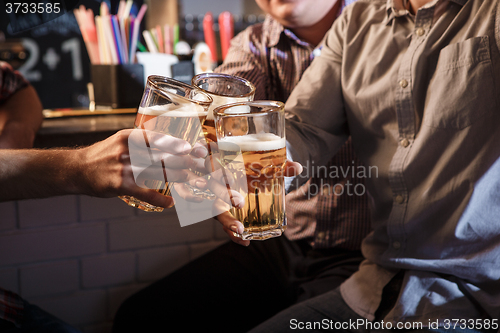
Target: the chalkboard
(57, 63)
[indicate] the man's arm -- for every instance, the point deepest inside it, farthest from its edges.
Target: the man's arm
(102, 170)
(20, 119)
(317, 124)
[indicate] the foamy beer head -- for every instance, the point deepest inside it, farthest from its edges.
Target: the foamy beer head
(224, 89)
(251, 141)
(172, 107)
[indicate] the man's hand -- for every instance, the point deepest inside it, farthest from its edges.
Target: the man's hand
(121, 164)
(232, 226)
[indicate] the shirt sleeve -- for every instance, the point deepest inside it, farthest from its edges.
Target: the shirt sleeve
(245, 59)
(317, 124)
(10, 81)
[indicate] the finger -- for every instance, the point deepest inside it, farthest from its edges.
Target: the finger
(233, 228)
(199, 150)
(160, 176)
(185, 193)
(178, 161)
(293, 169)
(228, 196)
(199, 165)
(152, 197)
(142, 138)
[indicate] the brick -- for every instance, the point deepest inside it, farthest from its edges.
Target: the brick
(108, 269)
(46, 212)
(118, 295)
(199, 249)
(51, 278)
(99, 328)
(8, 215)
(54, 243)
(80, 308)
(9, 279)
(141, 233)
(92, 209)
(156, 263)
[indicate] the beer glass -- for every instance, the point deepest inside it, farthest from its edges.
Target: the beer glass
(224, 89)
(172, 108)
(251, 143)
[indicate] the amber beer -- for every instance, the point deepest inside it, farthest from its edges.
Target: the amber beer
(179, 122)
(256, 162)
(168, 107)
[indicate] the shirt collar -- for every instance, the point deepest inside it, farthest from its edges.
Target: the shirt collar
(275, 31)
(395, 8)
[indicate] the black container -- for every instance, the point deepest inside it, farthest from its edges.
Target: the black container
(118, 86)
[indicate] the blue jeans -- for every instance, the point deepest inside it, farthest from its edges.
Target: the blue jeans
(329, 312)
(36, 320)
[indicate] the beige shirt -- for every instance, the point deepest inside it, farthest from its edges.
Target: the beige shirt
(273, 59)
(419, 95)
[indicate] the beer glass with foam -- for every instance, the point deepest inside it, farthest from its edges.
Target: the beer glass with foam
(224, 89)
(251, 143)
(172, 108)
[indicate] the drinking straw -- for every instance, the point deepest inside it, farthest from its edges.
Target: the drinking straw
(141, 47)
(159, 39)
(123, 41)
(175, 36)
(149, 41)
(128, 7)
(88, 32)
(135, 33)
(121, 8)
(101, 42)
(104, 9)
(117, 39)
(168, 39)
(110, 41)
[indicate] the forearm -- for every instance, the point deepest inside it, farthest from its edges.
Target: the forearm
(32, 173)
(20, 119)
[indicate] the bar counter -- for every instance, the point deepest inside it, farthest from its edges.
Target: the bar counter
(69, 128)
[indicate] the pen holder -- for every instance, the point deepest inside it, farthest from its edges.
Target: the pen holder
(156, 63)
(118, 86)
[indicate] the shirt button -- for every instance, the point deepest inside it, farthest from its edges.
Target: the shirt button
(403, 83)
(420, 31)
(405, 143)
(396, 245)
(321, 235)
(399, 199)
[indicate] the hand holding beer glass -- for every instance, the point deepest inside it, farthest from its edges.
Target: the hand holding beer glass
(168, 108)
(251, 143)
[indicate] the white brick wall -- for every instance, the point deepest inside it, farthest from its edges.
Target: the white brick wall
(7, 216)
(79, 257)
(49, 278)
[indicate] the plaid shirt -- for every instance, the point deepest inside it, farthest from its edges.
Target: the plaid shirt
(321, 211)
(11, 304)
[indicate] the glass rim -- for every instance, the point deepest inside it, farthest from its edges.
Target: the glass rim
(227, 76)
(276, 106)
(153, 79)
